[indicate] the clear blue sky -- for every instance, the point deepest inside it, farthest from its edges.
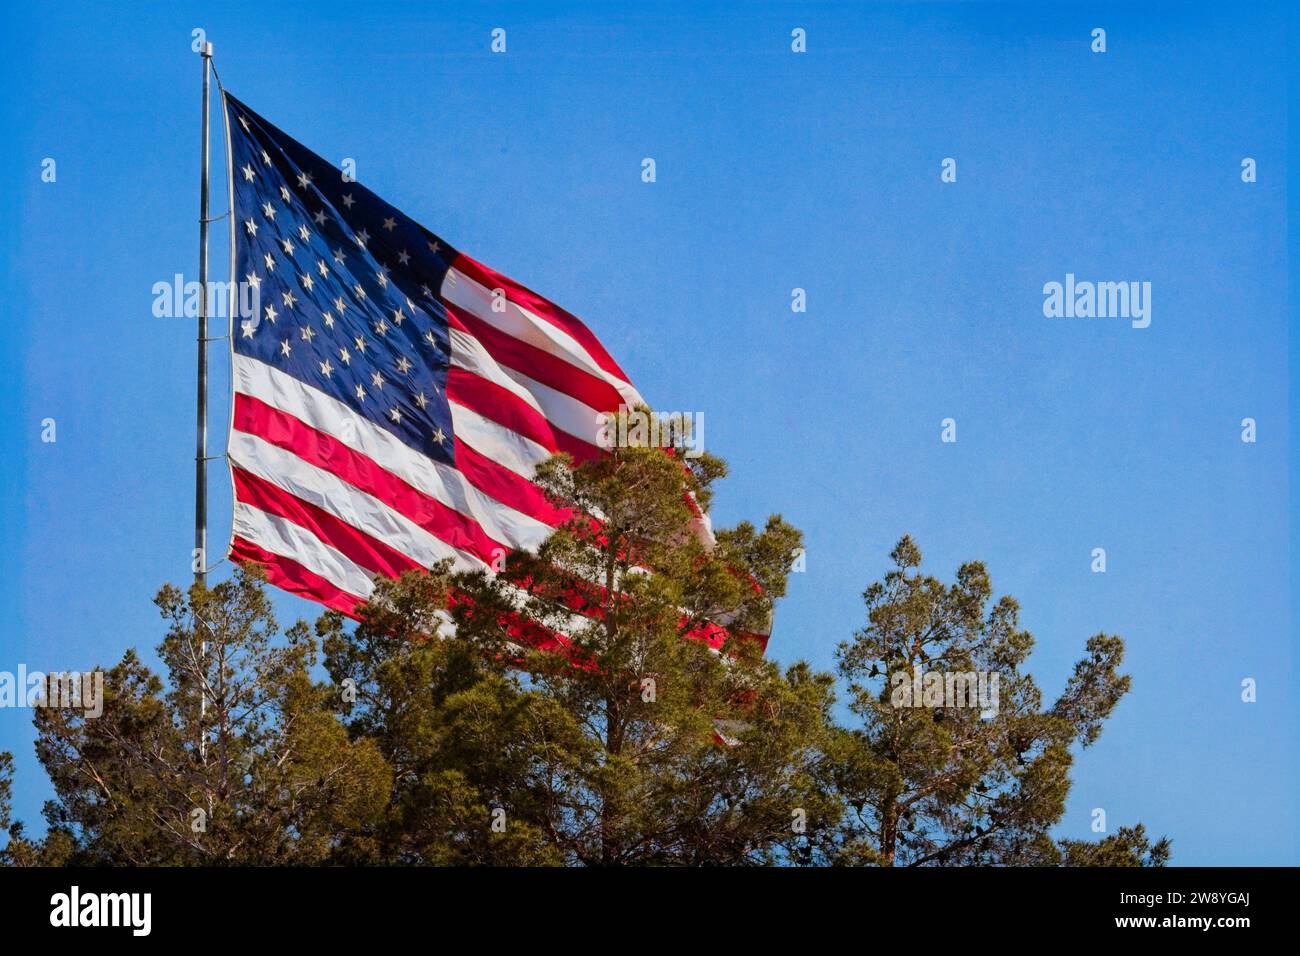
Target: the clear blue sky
(775, 171)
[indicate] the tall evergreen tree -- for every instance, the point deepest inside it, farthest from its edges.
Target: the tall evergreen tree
(237, 759)
(933, 780)
(605, 751)
(452, 721)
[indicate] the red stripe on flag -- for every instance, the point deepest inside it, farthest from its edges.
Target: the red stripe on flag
(543, 308)
(289, 575)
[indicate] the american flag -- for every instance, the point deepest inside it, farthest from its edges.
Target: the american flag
(392, 396)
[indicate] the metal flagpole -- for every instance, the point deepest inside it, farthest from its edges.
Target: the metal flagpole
(201, 452)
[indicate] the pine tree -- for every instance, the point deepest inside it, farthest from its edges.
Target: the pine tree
(933, 780)
(452, 722)
(605, 751)
(237, 759)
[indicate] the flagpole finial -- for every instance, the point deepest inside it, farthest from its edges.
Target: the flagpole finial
(207, 50)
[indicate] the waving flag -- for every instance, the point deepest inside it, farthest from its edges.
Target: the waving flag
(392, 396)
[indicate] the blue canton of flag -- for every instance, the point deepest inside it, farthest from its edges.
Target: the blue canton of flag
(346, 286)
